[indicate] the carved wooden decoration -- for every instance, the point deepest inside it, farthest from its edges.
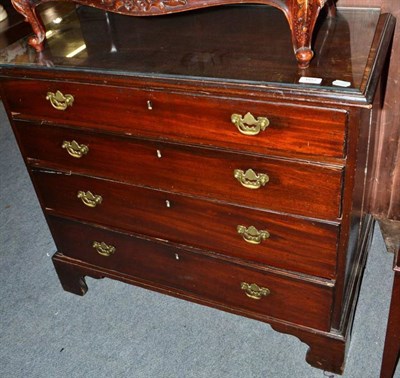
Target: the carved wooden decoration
(301, 16)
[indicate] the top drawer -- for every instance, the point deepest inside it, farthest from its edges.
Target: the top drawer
(186, 118)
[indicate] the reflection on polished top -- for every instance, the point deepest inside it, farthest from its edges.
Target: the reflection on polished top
(241, 44)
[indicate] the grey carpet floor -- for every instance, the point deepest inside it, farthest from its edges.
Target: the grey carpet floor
(117, 330)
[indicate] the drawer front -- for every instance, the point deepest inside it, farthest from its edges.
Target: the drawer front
(186, 118)
(290, 299)
(281, 241)
(289, 187)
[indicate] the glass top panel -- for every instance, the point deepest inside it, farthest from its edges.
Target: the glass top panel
(245, 43)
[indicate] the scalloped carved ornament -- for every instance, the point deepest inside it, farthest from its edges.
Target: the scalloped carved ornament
(141, 5)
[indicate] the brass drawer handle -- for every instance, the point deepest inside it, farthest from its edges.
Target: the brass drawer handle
(254, 291)
(90, 199)
(250, 179)
(75, 149)
(59, 101)
(103, 248)
(252, 235)
(249, 125)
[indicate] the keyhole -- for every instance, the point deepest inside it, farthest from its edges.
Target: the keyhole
(167, 203)
(149, 105)
(159, 154)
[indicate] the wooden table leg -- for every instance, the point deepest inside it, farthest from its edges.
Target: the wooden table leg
(392, 342)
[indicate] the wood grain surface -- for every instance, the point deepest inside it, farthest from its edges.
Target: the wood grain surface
(190, 221)
(199, 274)
(385, 180)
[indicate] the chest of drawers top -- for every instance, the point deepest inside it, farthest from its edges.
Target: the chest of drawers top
(243, 51)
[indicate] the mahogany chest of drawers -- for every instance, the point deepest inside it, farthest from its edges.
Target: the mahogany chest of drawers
(201, 167)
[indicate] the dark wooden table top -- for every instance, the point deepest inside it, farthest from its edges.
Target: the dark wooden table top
(243, 45)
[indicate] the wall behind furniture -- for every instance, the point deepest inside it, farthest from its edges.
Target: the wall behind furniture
(385, 190)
